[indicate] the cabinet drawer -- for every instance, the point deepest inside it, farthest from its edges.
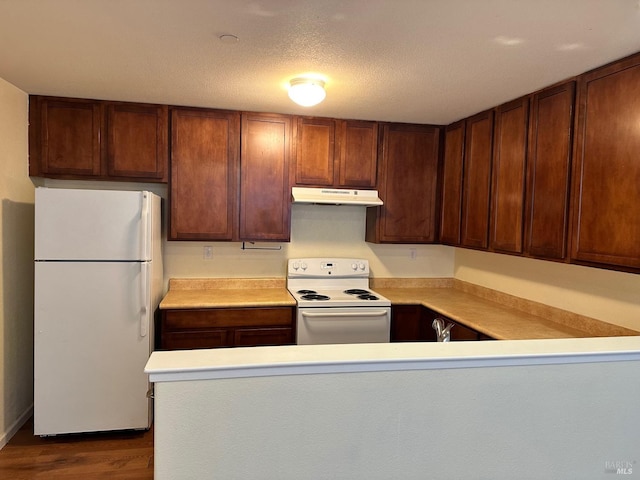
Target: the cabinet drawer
(196, 339)
(250, 337)
(227, 317)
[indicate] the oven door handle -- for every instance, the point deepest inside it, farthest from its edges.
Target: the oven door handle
(338, 315)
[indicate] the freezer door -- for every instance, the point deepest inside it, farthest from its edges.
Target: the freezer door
(93, 337)
(74, 224)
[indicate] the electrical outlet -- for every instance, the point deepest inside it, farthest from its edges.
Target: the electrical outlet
(207, 252)
(413, 253)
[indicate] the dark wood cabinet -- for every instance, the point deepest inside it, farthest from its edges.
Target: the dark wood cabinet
(137, 141)
(314, 151)
(453, 163)
(335, 153)
(65, 137)
(407, 324)
(265, 194)
(226, 327)
(408, 186)
(92, 139)
(205, 148)
(508, 176)
(606, 169)
(413, 323)
(458, 332)
(477, 180)
(357, 147)
(549, 171)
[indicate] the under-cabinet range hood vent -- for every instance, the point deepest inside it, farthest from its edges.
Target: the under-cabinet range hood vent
(335, 196)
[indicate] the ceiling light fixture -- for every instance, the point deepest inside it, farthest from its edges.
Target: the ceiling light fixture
(306, 91)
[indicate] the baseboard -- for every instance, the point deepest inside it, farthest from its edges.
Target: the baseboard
(15, 426)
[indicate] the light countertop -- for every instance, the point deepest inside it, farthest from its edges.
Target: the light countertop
(497, 315)
(226, 293)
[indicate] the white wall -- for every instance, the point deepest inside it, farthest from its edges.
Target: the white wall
(606, 295)
(16, 263)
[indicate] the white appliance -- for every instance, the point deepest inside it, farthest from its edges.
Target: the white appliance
(335, 303)
(335, 196)
(98, 282)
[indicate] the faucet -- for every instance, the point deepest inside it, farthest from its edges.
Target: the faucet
(443, 334)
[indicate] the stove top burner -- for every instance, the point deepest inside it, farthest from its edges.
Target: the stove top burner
(367, 296)
(306, 292)
(314, 296)
(356, 291)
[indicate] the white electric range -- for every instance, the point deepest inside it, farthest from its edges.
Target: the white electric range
(335, 303)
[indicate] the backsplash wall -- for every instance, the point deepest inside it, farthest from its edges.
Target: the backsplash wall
(316, 231)
(606, 295)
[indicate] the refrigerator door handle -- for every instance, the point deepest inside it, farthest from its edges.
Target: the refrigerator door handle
(145, 298)
(144, 227)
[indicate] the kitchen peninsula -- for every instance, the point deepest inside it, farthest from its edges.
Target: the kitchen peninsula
(379, 411)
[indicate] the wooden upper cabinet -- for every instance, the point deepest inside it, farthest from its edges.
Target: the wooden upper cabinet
(452, 183)
(549, 168)
(137, 140)
(265, 194)
(606, 169)
(205, 148)
(315, 150)
(335, 153)
(78, 138)
(508, 176)
(408, 186)
(357, 146)
(67, 137)
(477, 180)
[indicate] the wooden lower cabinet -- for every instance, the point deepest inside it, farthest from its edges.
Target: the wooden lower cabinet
(225, 327)
(408, 324)
(412, 323)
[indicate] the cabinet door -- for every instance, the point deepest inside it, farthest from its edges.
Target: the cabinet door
(137, 141)
(315, 150)
(410, 324)
(408, 186)
(477, 180)
(509, 171)
(606, 173)
(358, 154)
(69, 136)
(549, 166)
(452, 184)
(204, 174)
(265, 202)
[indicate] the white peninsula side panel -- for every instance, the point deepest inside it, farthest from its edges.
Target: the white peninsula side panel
(499, 410)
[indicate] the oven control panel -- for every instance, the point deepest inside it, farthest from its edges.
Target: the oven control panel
(325, 267)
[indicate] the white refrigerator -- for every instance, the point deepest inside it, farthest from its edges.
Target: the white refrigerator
(98, 282)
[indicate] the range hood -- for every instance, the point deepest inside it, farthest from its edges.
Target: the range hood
(335, 196)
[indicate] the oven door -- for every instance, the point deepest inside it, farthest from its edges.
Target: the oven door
(343, 325)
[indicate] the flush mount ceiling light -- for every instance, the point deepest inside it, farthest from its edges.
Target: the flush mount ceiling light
(306, 91)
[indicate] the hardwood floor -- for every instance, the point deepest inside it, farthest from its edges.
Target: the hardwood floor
(117, 456)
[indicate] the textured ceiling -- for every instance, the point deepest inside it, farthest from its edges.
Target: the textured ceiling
(423, 61)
